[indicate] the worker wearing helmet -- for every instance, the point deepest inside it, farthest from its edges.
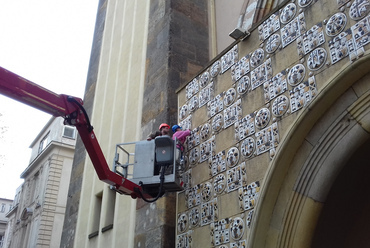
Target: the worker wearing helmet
(180, 135)
(164, 129)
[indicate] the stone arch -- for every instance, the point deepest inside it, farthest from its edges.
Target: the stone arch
(310, 157)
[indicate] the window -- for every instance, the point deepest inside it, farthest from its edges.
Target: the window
(43, 143)
(69, 132)
(2, 208)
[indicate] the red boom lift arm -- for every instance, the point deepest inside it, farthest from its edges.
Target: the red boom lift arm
(70, 108)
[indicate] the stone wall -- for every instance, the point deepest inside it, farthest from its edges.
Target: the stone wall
(245, 103)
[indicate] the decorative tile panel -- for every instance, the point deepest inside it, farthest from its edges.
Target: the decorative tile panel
(293, 30)
(248, 196)
(239, 244)
(336, 24)
(206, 94)
(316, 59)
(221, 232)
(186, 123)
(219, 183)
(268, 27)
(218, 163)
(250, 218)
(237, 228)
(361, 32)
(262, 118)
(243, 85)
(207, 192)
(232, 157)
(341, 46)
(186, 179)
(206, 149)
(280, 106)
(244, 127)
(240, 68)
(217, 123)
(204, 79)
(267, 139)
(310, 40)
(194, 217)
(296, 74)
(205, 132)
(184, 240)
(247, 147)
(229, 59)
(192, 88)
(273, 43)
(194, 138)
(209, 212)
(261, 74)
(288, 13)
(236, 177)
(302, 94)
(215, 69)
(229, 97)
(183, 112)
(193, 103)
(232, 114)
(215, 105)
(193, 196)
(304, 3)
(359, 9)
(276, 86)
(194, 156)
(182, 223)
(257, 57)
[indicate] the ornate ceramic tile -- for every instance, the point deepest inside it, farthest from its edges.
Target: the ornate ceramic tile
(220, 230)
(183, 112)
(215, 69)
(217, 123)
(209, 212)
(304, 3)
(239, 244)
(243, 85)
(247, 147)
(184, 240)
(316, 59)
(301, 95)
(206, 149)
(219, 183)
(186, 179)
(250, 218)
(194, 217)
(193, 103)
(232, 157)
(257, 57)
(240, 68)
(206, 94)
(193, 196)
(293, 30)
(341, 46)
(262, 118)
(194, 156)
(336, 24)
(229, 59)
(194, 138)
(207, 192)
(360, 32)
(186, 123)
(359, 9)
(268, 27)
(237, 228)
(232, 114)
(218, 163)
(276, 86)
(273, 43)
(296, 74)
(267, 139)
(280, 106)
(204, 79)
(215, 105)
(229, 97)
(192, 88)
(236, 177)
(261, 74)
(310, 40)
(288, 13)
(182, 222)
(205, 132)
(244, 127)
(248, 196)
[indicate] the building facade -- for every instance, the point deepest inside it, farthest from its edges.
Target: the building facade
(5, 206)
(37, 215)
(279, 119)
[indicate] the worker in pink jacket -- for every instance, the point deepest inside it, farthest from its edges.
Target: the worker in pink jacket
(180, 135)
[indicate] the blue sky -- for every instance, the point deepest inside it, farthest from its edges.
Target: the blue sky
(47, 42)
